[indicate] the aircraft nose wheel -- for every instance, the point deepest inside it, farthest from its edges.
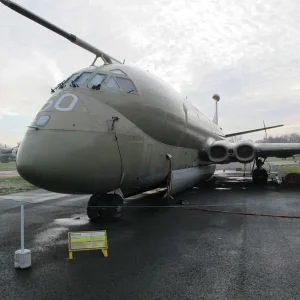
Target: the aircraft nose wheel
(104, 207)
(260, 176)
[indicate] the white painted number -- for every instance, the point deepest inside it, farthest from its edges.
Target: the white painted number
(71, 105)
(58, 103)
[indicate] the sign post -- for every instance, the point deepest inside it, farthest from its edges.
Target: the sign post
(86, 241)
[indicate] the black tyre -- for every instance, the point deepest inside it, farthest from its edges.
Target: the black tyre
(260, 176)
(105, 208)
(92, 209)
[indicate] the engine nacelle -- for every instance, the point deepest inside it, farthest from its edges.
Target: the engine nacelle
(184, 179)
(221, 151)
(245, 151)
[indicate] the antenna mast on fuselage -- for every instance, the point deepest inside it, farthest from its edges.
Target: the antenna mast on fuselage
(71, 37)
(216, 97)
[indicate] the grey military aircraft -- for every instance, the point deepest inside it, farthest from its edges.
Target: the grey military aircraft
(8, 154)
(115, 130)
(5, 154)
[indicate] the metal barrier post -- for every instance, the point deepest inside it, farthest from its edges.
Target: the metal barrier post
(22, 256)
(22, 227)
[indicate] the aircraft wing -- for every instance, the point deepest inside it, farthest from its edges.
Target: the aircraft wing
(252, 130)
(277, 149)
(224, 151)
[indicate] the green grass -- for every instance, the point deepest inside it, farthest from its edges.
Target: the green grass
(14, 185)
(282, 159)
(11, 166)
(289, 168)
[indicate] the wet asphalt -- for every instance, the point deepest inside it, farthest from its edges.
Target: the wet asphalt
(159, 253)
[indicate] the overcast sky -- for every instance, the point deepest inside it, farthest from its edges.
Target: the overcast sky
(247, 51)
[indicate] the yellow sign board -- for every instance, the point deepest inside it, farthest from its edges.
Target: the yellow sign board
(87, 240)
(238, 169)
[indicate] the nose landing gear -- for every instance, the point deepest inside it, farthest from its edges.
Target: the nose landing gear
(260, 175)
(105, 207)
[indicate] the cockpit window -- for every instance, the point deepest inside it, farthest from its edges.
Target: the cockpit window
(71, 78)
(82, 78)
(126, 84)
(96, 80)
(112, 83)
(117, 71)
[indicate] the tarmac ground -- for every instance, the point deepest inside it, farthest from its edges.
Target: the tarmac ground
(156, 252)
(4, 174)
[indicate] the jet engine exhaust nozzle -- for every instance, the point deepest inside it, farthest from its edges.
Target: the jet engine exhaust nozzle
(220, 151)
(245, 152)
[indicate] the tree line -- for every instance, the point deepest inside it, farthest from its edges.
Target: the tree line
(285, 138)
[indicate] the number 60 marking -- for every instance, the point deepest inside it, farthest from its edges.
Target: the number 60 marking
(57, 106)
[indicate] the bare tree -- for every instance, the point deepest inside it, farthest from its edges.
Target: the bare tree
(235, 139)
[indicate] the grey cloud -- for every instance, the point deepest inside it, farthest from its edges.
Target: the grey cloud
(248, 51)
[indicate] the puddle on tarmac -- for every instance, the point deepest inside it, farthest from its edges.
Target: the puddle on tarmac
(47, 238)
(56, 233)
(71, 221)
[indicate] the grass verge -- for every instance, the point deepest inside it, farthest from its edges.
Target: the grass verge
(14, 185)
(289, 168)
(282, 159)
(11, 166)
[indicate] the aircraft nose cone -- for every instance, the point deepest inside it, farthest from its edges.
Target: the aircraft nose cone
(70, 161)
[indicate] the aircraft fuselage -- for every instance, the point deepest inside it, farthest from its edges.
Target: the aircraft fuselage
(95, 140)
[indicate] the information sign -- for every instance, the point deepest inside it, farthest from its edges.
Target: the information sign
(87, 240)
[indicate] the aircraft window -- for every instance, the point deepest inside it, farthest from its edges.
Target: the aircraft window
(82, 78)
(117, 71)
(96, 80)
(112, 83)
(126, 84)
(71, 78)
(42, 121)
